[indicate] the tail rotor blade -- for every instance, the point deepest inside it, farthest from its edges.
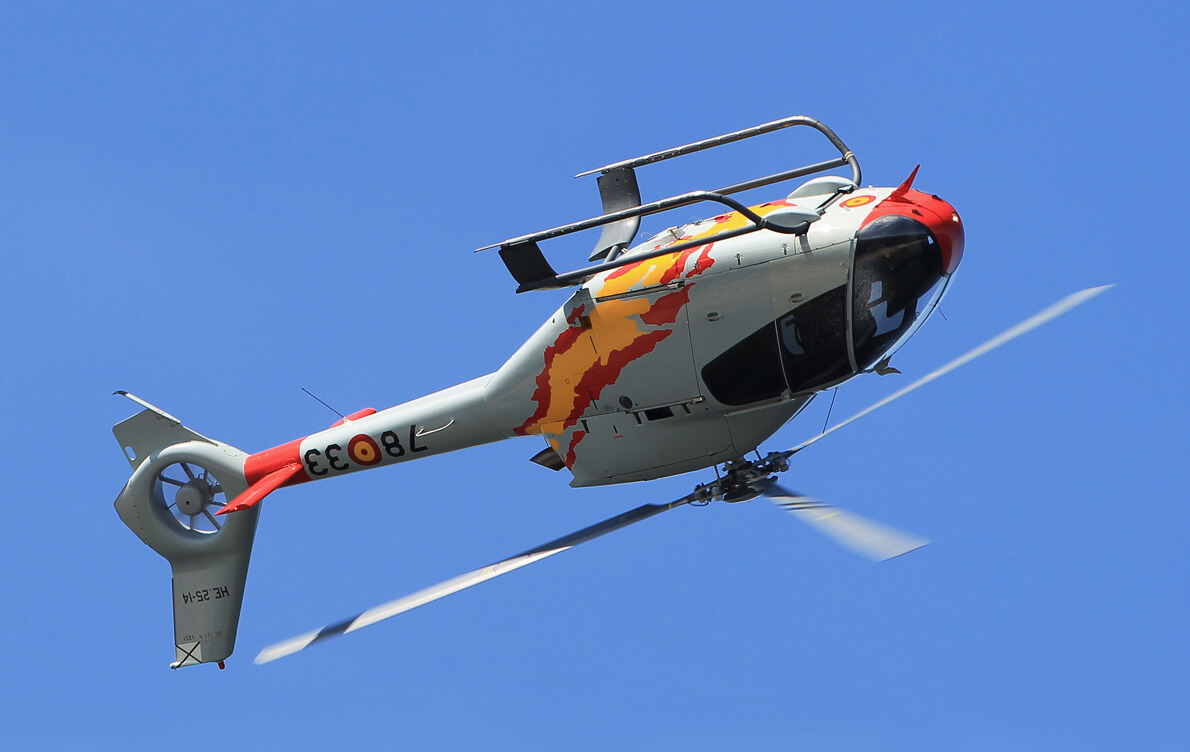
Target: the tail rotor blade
(464, 581)
(860, 535)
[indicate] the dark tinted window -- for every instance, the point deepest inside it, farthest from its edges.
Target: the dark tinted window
(749, 371)
(897, 262)
(814, 341)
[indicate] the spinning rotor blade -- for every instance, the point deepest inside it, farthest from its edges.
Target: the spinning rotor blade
(464, 581)
(865, 537)
(1029, 324)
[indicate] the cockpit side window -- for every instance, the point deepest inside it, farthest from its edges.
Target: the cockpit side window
(802, 350)
(813, 341)
(749, 371)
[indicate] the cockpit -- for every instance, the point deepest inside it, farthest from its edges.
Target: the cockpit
(898, 273)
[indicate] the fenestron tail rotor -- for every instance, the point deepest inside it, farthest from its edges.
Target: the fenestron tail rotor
(179, 479)
(192, 495)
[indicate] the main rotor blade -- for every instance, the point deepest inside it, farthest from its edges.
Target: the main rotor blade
(865, 537)
(464, 581)
(1029, 324)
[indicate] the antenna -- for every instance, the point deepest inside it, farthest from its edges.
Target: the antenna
(328, 407)
(824, 423)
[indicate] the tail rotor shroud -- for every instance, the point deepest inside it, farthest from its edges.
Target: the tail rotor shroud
(179, 480)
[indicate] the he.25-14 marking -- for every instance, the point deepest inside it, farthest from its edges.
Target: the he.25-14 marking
(206, 594)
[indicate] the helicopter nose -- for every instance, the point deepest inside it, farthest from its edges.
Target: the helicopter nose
(944, 222)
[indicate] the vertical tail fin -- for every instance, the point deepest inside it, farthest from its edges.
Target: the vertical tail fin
(179, 480)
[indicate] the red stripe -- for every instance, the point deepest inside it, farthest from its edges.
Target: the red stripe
(667, 307)
(542, 394)
(931, 211)
(704, 262)
(601, 375)
(262, 488)
(354, 416)
(574, 440)
(258, 465)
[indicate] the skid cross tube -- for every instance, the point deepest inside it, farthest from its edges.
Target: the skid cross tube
(528, 266)
(579, 276)
(709, 143)
(665, 204)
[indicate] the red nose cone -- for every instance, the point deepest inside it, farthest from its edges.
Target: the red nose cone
(931, 211)
(944, 222)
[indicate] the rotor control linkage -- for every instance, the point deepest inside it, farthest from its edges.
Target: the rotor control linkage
(743, 480)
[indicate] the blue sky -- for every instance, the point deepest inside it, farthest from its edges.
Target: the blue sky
(215, 205)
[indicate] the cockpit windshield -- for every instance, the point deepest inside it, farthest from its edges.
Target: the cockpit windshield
(896, 280)
(897, 264)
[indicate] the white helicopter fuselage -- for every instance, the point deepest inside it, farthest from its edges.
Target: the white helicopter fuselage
(681, 361)
(680, 353)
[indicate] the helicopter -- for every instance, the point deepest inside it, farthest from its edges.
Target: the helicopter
(681, 353)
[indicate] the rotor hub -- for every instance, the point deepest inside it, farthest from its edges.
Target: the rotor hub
(186, 491)
(194, 497)
(743, 480)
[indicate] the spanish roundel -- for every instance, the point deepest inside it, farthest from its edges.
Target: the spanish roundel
(363, 450)
(855, 201)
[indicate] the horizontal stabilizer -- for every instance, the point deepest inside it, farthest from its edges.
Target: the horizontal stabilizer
(261, 489)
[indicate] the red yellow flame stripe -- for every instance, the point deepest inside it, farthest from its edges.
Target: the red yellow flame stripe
(584, 359)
